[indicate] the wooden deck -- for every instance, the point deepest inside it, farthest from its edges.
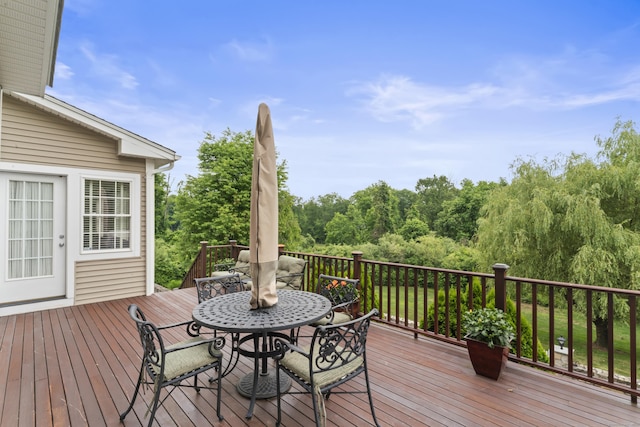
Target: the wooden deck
(76, 366)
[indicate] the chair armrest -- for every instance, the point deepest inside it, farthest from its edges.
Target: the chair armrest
(216, 343)
(223, 266)
(241, 270)
(282, 346)
(175, 325)
(192, 328)
(343, 305)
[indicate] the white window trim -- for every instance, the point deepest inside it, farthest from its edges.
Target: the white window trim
(134, 249)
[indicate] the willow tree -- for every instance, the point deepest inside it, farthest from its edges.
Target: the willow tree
(572, 220)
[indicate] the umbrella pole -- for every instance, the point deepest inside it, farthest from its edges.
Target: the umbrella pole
(263, 371)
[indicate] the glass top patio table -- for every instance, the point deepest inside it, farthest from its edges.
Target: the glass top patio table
(233, 313)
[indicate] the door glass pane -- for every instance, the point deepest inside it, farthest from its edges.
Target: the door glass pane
(30, 229)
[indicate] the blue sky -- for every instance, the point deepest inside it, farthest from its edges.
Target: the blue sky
(359, 91)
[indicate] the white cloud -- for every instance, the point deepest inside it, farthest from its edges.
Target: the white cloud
(399, 98)
(572, 80)
(63, 71)
(251, 51)
(81, 7)
(106, 66)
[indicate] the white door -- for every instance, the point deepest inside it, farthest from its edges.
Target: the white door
(32, 234)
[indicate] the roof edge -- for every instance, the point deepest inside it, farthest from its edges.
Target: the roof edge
(129, 143)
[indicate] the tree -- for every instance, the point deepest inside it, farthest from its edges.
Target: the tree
(288, 228)
(406, 203)
(215, 205)
(168, 266)
(314, 214)
(571, 220)
(346, 229)
(413, 228)
(620, 170)
(161, 196)
(431, 194)
(458, 218)
(378, 205)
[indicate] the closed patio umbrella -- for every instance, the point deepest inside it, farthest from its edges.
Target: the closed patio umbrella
(263, 229)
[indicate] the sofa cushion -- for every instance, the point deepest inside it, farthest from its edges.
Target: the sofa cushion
(241, 266)
(289, 274)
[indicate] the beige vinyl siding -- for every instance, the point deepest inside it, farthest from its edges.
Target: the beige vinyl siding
(30, 135)
(108, 280)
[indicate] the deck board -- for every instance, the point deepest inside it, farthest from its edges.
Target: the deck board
(77, 366)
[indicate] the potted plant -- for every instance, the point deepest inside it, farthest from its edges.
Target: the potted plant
(488, 333)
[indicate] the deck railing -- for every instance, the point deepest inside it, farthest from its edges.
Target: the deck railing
(544, 310)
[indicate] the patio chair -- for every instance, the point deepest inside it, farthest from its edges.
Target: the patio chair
(169, 365)
(211, 287)
(343, 294)
(241, 266)
(289, 273)
(337, 354)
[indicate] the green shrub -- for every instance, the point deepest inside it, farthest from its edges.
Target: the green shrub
(167, 265)
(489, 325)
(442, 307)
(526, 332)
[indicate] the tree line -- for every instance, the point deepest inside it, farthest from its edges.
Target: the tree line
(572, 218)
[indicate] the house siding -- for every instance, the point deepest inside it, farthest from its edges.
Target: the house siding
(30, 135)
(108, 280)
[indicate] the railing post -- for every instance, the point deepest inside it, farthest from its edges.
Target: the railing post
(234, 249)
(203, 260)
(500, 271)
(357, 257)
(280, 249)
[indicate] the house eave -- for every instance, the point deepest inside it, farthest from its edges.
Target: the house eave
(129, 143)
(29, 34)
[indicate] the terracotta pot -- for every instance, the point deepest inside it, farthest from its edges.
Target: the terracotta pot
(486, 361)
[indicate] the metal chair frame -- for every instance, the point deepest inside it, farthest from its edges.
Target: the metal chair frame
(333, 348)
(341, 291)
(211, 287)
(154, 357)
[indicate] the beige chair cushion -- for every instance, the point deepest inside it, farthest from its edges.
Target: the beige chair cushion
(299, 364)
(241, 266)
(279, 285)
(338, 317)
(243, 258)
(288, 266)
(182, 361)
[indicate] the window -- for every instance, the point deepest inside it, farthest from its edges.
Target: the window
(106, 220)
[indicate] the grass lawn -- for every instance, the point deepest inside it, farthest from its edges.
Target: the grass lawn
(621, 334)
(392, 302)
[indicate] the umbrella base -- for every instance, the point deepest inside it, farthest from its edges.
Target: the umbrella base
(266, 387)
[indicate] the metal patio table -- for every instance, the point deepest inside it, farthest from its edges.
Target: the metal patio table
(232, 313)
